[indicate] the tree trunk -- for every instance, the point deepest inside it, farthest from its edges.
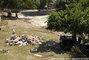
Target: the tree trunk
(16, 15)
(0, 23)
(9, 13)
(39, 9)
(47, 8)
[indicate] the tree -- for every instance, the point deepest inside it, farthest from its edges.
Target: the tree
(10, 4)
(74, 20)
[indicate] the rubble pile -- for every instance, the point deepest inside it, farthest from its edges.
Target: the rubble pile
(23, 40)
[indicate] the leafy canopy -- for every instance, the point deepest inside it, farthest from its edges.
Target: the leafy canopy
(74, 20)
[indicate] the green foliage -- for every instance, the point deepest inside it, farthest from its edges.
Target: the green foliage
(60, 4)
(74, 50)
(53, 21)
(11, 4)
(35, 4)
(48, 2)
(83, 3)
(38, 4)
(29, 4)
(74, 20)
(42, 3)
(32, 4)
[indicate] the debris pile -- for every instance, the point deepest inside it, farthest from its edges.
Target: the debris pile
(23, 40)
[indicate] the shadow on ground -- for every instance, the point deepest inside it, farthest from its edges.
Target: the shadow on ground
(36, 13)
(56, 48)
(3, 17)
(50, 46)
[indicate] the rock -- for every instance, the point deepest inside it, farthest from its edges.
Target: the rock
(34, 51)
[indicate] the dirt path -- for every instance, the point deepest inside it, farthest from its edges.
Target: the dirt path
(36, 20)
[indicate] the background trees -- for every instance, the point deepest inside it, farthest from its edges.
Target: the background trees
(32, 4)
(37, 4)
(10, 4)
(60, 4)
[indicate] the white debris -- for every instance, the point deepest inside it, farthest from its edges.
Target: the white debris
(37, 55)
(23, 40)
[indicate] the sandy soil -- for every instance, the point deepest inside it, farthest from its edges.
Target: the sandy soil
(36, 20)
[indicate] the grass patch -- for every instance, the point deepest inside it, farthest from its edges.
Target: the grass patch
(23, 52)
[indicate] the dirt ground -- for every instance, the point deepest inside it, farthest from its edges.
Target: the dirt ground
(28, 24)
(34, 17)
